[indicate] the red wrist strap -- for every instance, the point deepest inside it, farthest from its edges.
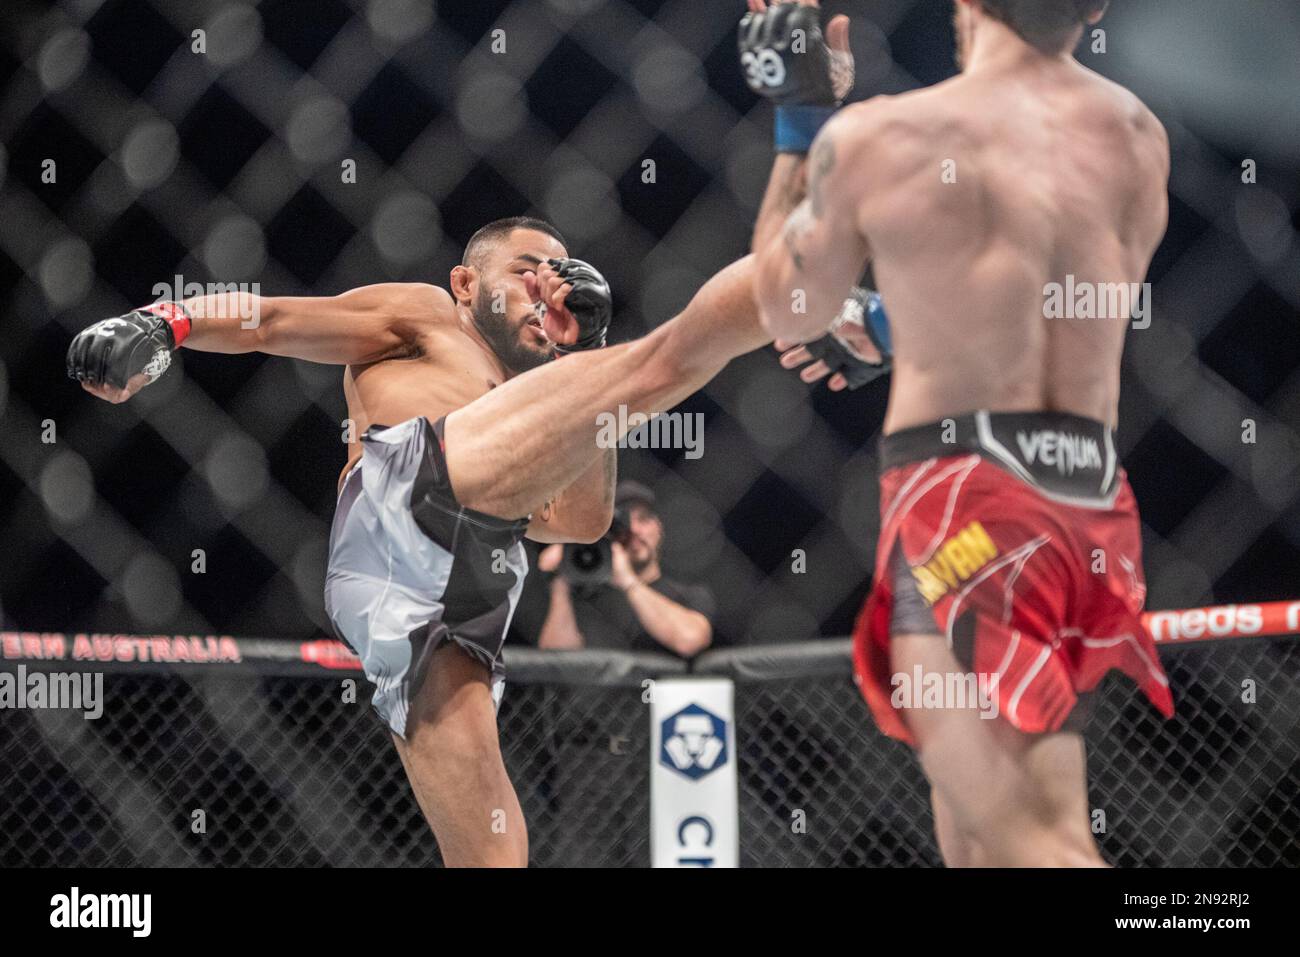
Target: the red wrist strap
(174, 314)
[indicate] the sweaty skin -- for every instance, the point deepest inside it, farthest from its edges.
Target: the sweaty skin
(1057, 171)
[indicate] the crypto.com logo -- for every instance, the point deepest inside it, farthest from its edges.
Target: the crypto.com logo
(693, 742)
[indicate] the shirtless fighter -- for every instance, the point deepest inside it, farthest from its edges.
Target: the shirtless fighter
(420, 587)
(469, 438)
(1010, 543)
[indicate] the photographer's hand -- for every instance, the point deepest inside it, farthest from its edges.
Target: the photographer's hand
(549, 559)
(621, 575)
(560, 629)
(678, 628)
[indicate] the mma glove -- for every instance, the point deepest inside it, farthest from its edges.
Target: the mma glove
(589, 302)
(786, 60)
(863, 310)
(113, 351)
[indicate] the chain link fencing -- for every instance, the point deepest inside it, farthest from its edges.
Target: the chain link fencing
(235, 768)
(210, 141)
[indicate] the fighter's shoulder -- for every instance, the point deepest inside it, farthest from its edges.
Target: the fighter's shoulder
(1148, 141)
(880, 114)
(879, 128)
(410, 313)
(1149, 128)
(1137, 119)
(418, 303)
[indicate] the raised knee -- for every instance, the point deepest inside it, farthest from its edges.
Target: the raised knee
(451, 745)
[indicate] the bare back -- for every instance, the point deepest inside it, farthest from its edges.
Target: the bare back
(978, 194)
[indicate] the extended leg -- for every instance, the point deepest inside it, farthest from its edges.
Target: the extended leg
(512, 449)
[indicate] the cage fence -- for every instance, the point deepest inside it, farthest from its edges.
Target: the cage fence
(223, 161)
(266, 763)
(314, 147)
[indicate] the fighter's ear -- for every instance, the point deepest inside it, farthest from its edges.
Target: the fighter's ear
(463, 279)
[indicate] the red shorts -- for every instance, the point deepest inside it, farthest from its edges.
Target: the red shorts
(1025, 547)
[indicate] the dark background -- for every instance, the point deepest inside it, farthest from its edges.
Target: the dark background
(224, 167)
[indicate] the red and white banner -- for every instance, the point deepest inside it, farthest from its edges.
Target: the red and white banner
(171, 650)
(1168, 628)
(1216, 622)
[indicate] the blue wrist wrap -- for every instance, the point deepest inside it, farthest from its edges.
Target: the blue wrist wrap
(796, 126)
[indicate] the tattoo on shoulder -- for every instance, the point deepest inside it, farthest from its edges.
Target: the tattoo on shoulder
(792, 247)
(820, 163)
(796, 226)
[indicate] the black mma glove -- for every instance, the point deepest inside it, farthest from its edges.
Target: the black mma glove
(786, 60)
(783, 65)
(864, 311)
(112, 351)
(589, 302)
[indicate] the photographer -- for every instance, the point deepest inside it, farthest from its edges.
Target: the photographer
(613, 594)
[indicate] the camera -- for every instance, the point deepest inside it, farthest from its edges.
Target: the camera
(589, 566)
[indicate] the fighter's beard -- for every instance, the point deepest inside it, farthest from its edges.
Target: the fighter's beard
(504, 337)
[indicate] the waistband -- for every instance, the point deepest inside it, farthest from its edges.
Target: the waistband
(432, 487)
(1063, 455)
(343, 483)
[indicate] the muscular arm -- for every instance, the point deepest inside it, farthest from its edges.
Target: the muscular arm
(560, 629)
(681, 629)
(787, 185)
(805, 271)
(1150, 206)
(361, 325)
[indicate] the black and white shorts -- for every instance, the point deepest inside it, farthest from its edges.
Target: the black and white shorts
(410, 568)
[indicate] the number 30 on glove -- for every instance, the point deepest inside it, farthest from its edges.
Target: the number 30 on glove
(786, 59)
(784, 56)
